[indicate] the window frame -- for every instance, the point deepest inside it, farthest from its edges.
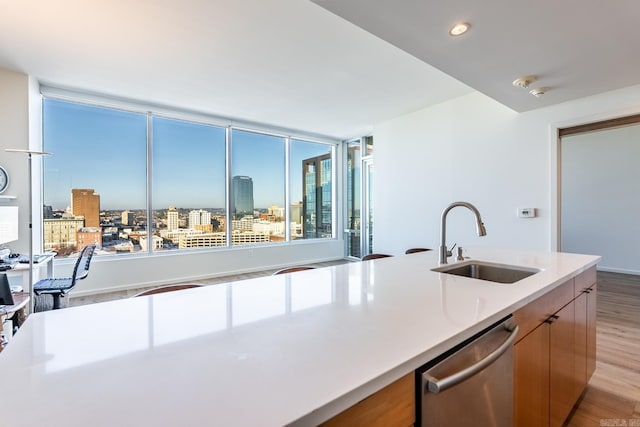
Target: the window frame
(229, 125)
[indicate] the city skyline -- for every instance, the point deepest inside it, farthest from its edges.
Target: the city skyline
(105, 149)
(67, 206)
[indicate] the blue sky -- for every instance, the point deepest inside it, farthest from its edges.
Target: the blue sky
(105, 149)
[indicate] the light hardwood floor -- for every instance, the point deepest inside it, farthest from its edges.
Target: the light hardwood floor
(612, 397)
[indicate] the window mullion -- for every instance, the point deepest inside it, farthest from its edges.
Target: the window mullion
(228, 225)
(287, 191)
(150, 234)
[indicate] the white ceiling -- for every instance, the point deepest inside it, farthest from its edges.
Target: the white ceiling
(576, 48)
(293, 64)
(286, 63)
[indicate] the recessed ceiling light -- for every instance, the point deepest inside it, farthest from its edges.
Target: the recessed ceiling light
(459, 29)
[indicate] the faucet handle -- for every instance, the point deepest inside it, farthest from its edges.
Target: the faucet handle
(450, 251)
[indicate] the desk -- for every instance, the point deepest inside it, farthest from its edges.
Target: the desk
(22, 270)
(15, 311)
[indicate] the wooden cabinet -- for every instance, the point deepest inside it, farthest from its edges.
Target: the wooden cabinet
(393, 406)
(531, 378)
(554, 357)
(591, 329)
(561, 364)
(580, 341)
(585, 336)
(586, 286)
(586, 291)
(544, 384)
(555, 354)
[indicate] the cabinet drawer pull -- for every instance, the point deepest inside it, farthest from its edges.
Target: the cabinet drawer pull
(551, 318)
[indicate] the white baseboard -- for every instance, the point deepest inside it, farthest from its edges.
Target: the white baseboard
(618, 270)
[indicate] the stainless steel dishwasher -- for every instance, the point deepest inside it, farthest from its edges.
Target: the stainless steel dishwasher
(472, 384)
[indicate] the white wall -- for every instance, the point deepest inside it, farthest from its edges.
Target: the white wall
(470, 148)
(14, 133)
(474, 149)
(20, 125)
(116, 273)
(601, 197)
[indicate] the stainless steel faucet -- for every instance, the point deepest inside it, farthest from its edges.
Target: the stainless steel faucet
(444, 253)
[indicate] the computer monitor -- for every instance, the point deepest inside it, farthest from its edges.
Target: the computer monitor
(8, 224)
(6, 297)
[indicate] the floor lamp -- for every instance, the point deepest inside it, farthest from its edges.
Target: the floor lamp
(30, 153)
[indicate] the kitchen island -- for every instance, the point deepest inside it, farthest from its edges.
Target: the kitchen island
(289, 349)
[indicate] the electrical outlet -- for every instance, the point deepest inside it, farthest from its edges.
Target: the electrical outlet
(526, 212)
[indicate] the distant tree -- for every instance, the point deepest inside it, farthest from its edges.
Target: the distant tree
(65, 251)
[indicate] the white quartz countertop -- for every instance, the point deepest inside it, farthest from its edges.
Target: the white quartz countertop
(288, 349)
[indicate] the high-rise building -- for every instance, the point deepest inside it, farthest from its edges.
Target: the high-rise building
(296, 212)
(205, 217)
(128, 218)
(199, 217)
(275, 212)
(173, 219)
(194, 218)
(86, 202)
(47, 212)
(241, 196)
(316, 200)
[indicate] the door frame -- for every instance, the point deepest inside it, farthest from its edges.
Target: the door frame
(366, 158)
(556, 131)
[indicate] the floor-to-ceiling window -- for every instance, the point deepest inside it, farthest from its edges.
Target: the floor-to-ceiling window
(95, 183)
(352, 199)
(189, 182)
(135, 181)
(257, 187)
(359, 197)
(311, 173)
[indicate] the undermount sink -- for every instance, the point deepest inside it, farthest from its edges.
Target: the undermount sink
(492, 272)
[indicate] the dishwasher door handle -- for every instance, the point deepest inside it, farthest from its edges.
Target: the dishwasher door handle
(436, 386)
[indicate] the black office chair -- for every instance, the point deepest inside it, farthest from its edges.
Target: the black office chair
(58, 287)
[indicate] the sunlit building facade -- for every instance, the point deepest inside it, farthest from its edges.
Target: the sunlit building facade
(62, 232)
(173, 219)
(317, 215)
(242, 196)
(86, 202)
(200, 220)
(128, 218)
(89, 236)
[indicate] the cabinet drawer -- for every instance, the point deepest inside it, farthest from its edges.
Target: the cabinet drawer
(537, 311)
(584, 280)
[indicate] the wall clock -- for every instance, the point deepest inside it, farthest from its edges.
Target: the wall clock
(4, 180)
